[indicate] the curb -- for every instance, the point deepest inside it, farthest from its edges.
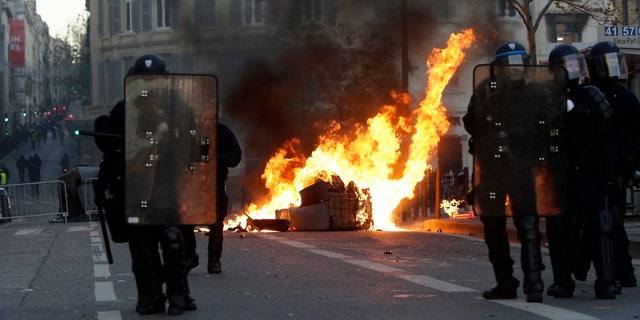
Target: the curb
(473, 227)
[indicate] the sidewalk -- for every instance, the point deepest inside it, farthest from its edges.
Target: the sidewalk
(473, 227)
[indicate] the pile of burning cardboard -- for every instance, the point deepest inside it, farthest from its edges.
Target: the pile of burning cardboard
(330, 206)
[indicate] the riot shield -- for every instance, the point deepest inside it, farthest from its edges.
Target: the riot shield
(170, 135)
(519, 144)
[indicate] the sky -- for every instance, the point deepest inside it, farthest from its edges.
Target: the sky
(58, 14)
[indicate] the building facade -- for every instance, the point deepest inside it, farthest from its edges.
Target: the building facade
(222, 36)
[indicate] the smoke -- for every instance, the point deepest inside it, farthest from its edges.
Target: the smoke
(344, 76)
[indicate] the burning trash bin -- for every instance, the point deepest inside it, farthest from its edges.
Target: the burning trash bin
(330, 206)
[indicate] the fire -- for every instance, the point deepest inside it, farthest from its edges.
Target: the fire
(371, 154)
(450, 207)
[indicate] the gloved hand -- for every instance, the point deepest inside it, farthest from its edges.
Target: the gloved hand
(612, 187)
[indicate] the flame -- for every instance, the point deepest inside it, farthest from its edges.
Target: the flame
(371, 155)
(451, 206)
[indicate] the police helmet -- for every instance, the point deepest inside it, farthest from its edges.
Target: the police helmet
(607, 62)
(572, 60)
(511, 53)
(149, 63)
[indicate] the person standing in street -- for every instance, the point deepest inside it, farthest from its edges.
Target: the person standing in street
(504, 124)
(65, 162)
(33, 166)
(6, 173)
(591, 180)
(150, 267)
(21, 164)
(607, 66)
(4, 176)
(228, 154)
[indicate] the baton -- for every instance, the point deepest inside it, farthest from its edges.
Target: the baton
(99, 192)
(105, 235)
(100, 134)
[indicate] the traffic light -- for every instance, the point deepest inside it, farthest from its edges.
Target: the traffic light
(6, 118)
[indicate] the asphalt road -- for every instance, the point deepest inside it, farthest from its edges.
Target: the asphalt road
(60, 271)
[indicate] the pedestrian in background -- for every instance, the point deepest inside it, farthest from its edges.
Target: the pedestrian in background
(21, 164)
(4, 169)
(33, 166)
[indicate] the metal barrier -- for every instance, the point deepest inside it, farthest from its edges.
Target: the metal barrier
(34, 199)
(88, 197)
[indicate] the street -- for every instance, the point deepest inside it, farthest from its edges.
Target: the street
(60, 271)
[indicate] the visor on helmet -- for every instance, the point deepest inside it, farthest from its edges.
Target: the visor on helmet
(612, 65)
(576, 66)
(513, 57)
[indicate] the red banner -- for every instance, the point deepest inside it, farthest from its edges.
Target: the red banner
(16, 43)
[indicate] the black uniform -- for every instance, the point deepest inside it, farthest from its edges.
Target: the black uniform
(626, 121)
(591, 169)
(149, 270)
(512, 174)
(228, 154)
(21, 164)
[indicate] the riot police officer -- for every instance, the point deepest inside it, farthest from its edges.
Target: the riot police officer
(228, 155)
(505, 111)
(607, 66)
(591, 175)
(149, 270)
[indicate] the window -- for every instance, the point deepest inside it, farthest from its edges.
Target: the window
(204, 13)
(254, 12)
(567, 33)
(146, 15)
(248, 12)
(163, 13)
(128, 15)
(114, 17)
(312, 10)
(115, 80)
(565, 28)
(132, 15)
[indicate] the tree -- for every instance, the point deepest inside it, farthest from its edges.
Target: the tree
(601, 11)
(78, 80)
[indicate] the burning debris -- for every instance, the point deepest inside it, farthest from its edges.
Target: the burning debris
(330, 205)
(386, 157)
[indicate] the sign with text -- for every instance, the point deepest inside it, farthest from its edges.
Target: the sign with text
(622, 36)
(16, 43)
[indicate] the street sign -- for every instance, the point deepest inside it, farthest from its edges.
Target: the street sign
(625, 37)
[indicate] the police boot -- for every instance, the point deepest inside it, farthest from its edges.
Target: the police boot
(146, 269)
(562, 286)
(215, 248)
(176, 271)
(603, 259)
(604, 286)
(151, 300)
(495, 236)
(624, 270)
(530, 256)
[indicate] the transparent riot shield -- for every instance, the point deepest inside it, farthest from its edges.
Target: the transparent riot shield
(170, 135)
(519, 143)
